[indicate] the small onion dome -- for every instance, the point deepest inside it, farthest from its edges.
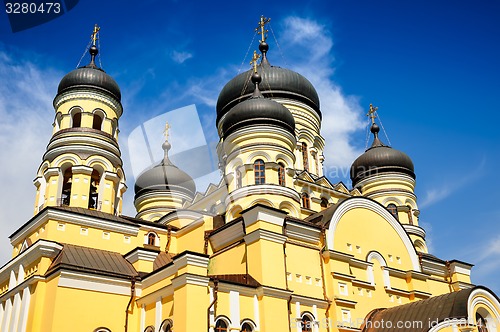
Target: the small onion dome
(90, 77)
(164, 177)
(276, 82)
(257, 110)
(379, 159)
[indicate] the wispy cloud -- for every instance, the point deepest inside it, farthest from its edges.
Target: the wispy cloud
(181, 57)
(445, 189)
(26, 96)
(341, 112)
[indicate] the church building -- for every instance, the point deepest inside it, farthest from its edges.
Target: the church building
(274, 246)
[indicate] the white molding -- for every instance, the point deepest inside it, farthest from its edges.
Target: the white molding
(262, 189)
(262, 234)
(41, 248)
(192, 260)
(458, 267)
(163, 292)
(159, 275)
(234, 308)
(274, 292)
(415, 230)
(84, 93)
(481, 296)
(302, 232)
(85, 281)
(190, 279)
(364, 203)
(73, 218)
(310, 301)
(263, 213)
(227, 236)
(141, 254)
(226, 287)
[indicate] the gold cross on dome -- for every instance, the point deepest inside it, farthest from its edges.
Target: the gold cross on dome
(94, 34)
(254, 61)
(262, 24)
(371, 113)
(166, 131)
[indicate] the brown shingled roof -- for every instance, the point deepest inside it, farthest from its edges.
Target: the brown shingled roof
(421, 315)
(93, 261)
(162, 259)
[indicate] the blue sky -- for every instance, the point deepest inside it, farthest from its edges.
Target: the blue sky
(431, 67)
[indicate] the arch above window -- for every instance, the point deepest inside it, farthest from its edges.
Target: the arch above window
(246, 327)
(151, 239)
(98, 119)
(307, 323)
(323, 203)
(393, 209)
(102, 329)
(221, 325)
(166, 325)
(150, 328)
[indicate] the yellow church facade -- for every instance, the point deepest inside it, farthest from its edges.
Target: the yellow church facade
(275, 246)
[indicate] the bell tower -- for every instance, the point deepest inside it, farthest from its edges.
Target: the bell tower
(82, 165)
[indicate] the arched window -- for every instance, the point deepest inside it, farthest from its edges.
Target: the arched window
(307, 323)
(150, 328)
(102, 329)
(166, 325)
(246, 327)
(76, 118)
(221, 326)
(393, 210)
(66, 187)
(151, 239)
(259, 170)
(95, 178)
(481, 323)
(306, 202)
(97, 121)
(305, 158)
(281, 174)
(324, 203)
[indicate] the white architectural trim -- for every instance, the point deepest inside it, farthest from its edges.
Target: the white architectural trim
(227, 236)
(302, 232)
(141, 254)
(263, 213)
(483, 297)
(260, 189)
(234, 308)
(364, 203)
(72, 218)
(262, 234)
(256, 312)
(192, 260)
(274, 292)
(191, 279)
(158, 317)
(86, 281)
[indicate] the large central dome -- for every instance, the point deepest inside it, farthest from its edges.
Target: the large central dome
(276, 82)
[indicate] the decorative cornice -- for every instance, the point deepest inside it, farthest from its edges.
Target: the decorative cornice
(83, 94)
(263, 213)
(262, 234)
(190, 279)
(415, 230)
(86, 281)
(141, 254)
(274, 292)
(73, 218)
(262, 190)
(310, 301)
(302, 232)
(41, 248)
(227, 236)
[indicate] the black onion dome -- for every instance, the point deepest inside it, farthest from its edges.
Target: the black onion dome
(379, 159)
(92, 77)
(258, 111)
(276, 82)
(164, 177)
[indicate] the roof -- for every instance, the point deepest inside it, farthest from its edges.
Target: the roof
(92, 260)
(422, 314)
(162, 259)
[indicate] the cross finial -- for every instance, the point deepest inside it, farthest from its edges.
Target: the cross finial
(371, 113)
(254, 61)
(94, 34)
(261, 30)
(166, 131)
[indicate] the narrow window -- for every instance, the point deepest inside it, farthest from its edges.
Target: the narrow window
(221, 326)
(77, 119)
(306, 203)
(259, 172)
(246, 328)
(324, 203)
(307, 324)
(97, 121)
(93, 194)
(305, 158)
(481, 323)
(151, 239)
(66, 188)
(393, 210)
(281, 174)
